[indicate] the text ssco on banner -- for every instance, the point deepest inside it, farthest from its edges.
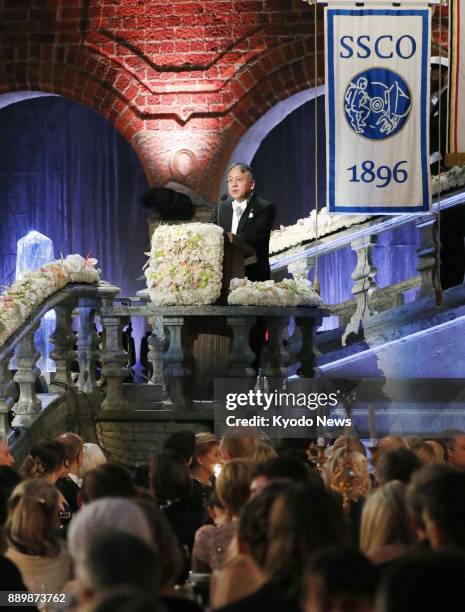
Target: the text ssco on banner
(377, 110)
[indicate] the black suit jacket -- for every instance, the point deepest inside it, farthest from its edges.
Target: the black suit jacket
(254, 227)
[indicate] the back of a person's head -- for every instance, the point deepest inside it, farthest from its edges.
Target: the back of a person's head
(343, 578)
(123, 599)
(238, 447)
(205, 442)
(72, 444)
(44, 458)
(163, 540)
(92, 457)
(254, 522)
(115, 558)
(396, 464)
(114, 513)
(284, 466)
(107, 480)
(183, 442)
(233, 484)
(385, 519)
(169, 476)
(428, 582)
(389, 442)
(444, 509)
(263, 452)
(33, 518)
(303, 520)
(9, 478)
(424, 451)
(418, 486)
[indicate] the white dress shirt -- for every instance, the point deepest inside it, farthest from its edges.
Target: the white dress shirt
(238, 209)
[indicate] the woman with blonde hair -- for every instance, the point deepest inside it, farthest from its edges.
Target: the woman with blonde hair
(211, 541)
(386, 532)
(263, 452)
(31, 533)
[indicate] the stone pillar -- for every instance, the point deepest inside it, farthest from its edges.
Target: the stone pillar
(274, 357)
(156, 344)
(114, 363)
(428, 254)
(6, 401)
(64, 340)
(88, 345)
(364, 286)
(175, 372)
(26, 375)
(240, 355)
(306, 354)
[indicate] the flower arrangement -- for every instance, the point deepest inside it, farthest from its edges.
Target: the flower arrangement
(305, 229)
(186, 264)
(287, 292)
(18, 301)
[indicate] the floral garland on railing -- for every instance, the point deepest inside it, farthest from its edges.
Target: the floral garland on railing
(287, 292)
(305, 229)
(18, 301)
(186, 264)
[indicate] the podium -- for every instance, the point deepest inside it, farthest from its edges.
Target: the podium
(237, 255)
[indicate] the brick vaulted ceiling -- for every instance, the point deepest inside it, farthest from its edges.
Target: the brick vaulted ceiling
(182, 80)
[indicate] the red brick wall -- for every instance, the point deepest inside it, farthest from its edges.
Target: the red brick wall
(180, 79)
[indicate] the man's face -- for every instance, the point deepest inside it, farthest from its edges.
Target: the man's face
(6, 458)
(456, 455)
(240, 184)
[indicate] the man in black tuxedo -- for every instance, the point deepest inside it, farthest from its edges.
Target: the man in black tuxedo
(247, 216)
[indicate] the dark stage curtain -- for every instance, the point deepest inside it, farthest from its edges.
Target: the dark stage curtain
(67, 173)
(284, 170)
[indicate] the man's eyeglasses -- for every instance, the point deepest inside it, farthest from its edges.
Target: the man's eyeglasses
(239, 180)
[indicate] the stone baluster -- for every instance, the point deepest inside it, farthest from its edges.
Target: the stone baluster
(240, 355)
(114, 362)
(364, 286)
(175, 372)
(63, 353)
(274, 358)
(156, 345)
(428, 254)
(306, 353)
(6, 400)
(301, 268)
(26, 375)
(88, 345)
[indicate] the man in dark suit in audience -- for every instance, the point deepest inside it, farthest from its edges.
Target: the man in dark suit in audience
(245, 214)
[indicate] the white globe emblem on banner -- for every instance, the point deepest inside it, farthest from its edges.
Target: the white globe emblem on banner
(377, 103)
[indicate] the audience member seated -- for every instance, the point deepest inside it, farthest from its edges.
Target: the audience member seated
(416, 499)
(238, 447)
(424, 451)
(386, 532)
(388, 443)
(444, 510)
(70, 484)
(263, 452)
(396, 464)
(340, 579)
(440, 451)
(170, 558)
(278, 468)
(6, 458)
(454, 441)
(92, 457)
(115, 513)
(171, 485)
(212, 541)
(423, 582)
(46, 459)
(183, 442)
(207, 456)
(108, 480)
(31, 533)
(114, 559)
(244, 572)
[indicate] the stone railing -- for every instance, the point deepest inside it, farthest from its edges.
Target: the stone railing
(368, 299)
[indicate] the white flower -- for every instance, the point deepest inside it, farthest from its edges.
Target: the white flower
(287, 292)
